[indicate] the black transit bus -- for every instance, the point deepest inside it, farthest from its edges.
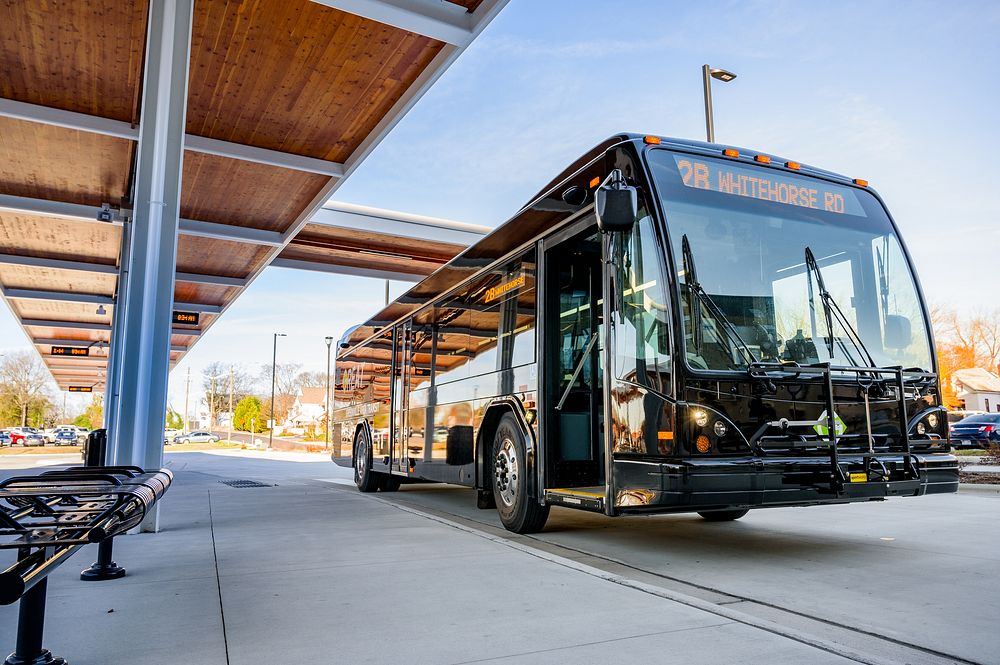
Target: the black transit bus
(669, 326)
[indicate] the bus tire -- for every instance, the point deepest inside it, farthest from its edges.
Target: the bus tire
(366, 479)
(518, 512)
(723, 515)
(389, 482)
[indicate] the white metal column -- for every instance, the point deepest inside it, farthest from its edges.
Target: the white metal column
(144, 346)
(112, 377)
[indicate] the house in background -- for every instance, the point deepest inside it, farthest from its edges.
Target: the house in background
(307, 411)
(978, 388)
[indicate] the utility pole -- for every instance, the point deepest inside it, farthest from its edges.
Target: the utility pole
(274, 365)
(229, 432)
(707, 74)
(386, 293)
(211, 406)
(187, 390)
(326, 407)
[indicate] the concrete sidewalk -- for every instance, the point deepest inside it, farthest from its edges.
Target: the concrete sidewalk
(310, 571)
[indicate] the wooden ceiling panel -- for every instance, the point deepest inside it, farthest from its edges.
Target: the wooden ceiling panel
(218, 257)
(320, 235)
(54, 309)
(354, 259)
(47, 162)
(78, 56)
(52, 238)
(206, 294)
(230, 191)
(470, 5)
(55, 332)
(51, 279)
(296, 76)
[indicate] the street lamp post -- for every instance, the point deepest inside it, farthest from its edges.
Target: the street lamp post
(326, 408)
(274, 365)
(707, 74)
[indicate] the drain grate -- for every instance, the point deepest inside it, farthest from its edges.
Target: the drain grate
(244, 483)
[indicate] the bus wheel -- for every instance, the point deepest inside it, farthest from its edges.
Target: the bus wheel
(388, 482)
(723, 515)
(364, 477)
(518, 512)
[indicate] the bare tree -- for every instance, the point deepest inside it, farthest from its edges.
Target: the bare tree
(217, 388)
(285, 388)
(23, 380)
(311, 380)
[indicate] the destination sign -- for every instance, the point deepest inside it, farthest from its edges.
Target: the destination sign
(186, 318)
(70, 351)
(769, 185)
(81, 389)
(495, 292)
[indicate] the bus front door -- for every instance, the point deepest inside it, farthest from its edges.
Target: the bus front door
(574, 378)
(401, 370)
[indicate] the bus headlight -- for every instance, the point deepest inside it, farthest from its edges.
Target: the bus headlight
(932, 420)
(700, 417)
(720, 428)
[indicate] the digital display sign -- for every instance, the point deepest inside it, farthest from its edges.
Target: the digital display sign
(81, 389)
(768, 185)
(186, 318)
(70, 351)
(495, 292)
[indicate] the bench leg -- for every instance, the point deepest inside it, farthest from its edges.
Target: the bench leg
(30, 624)
(104, 568)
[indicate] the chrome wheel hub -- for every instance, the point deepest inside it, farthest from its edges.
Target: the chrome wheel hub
(506, 475)
(361, 461)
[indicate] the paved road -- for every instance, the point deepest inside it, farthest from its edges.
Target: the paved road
(907, 580)
(918, 574)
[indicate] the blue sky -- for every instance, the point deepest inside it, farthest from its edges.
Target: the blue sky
(903, 95)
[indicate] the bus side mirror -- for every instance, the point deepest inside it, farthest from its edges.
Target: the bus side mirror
(898, 334)
(617, 204)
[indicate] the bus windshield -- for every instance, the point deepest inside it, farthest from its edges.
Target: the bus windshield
(739, 235)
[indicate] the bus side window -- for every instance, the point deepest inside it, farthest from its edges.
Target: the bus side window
(642, 337)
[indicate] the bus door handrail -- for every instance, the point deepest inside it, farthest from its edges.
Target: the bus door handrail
(576, 372)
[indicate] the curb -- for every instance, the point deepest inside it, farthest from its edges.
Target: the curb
(970, 488)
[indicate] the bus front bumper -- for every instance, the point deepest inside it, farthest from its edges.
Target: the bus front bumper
(715, 483)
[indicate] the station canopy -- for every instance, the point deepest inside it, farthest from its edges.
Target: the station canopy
(286, 98)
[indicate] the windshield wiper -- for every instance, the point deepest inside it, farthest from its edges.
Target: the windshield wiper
(694, 286)
(830, 310)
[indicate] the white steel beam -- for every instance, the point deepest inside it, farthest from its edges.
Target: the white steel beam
(46, 208)
(443, 21)
(73, 325)
(297, 264)
(39, 262)
(213, 280)
(365, 218)
(193, 227)
(197, 307)
(123, 130)
(70, 342)
(59, 296)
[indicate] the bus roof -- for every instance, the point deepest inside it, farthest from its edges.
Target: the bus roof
(542, 211)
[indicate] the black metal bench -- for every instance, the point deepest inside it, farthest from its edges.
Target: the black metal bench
(48, 517)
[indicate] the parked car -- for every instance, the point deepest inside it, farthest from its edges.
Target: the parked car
(4, 438)
(196, 437)
(50, 434)
(66, 437)
(26, 436)
(170, 434)
(977, 431)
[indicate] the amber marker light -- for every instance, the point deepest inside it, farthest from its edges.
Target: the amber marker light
(763, 159)
(860, 183)
(729, 152)
(702, 444)
(651, 140)
(795, 166)
(595, 182)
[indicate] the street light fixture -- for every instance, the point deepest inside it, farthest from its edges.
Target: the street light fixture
(274, 365)
(707, 74)
(326, 407)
